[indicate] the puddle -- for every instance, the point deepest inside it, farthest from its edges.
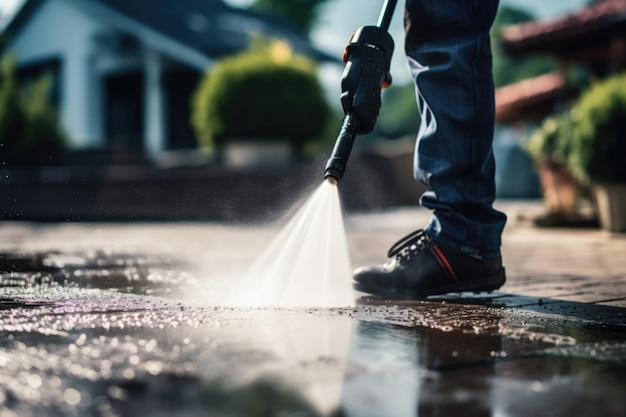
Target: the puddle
(442, 359)
(106, 333)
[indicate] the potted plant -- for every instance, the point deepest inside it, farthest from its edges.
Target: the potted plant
(549, 147)
(598, 147)
(263, 99)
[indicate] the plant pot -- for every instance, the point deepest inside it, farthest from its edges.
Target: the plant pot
(250, 152)
(611, 204)
(560, 189)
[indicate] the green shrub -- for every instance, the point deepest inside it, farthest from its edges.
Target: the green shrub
(590, 139)
(263, 93)
(29, 132)
(598, 142)
(551, 139)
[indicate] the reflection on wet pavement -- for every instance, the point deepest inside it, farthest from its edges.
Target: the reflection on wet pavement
(111, 268)
(487, 361)
(108, 333)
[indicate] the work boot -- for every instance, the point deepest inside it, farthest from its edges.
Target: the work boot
(419, 267)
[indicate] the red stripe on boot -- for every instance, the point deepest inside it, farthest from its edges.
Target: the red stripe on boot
(443, 261)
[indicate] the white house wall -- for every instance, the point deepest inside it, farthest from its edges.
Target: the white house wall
(154, 135)
(56, 29)
(68, 30)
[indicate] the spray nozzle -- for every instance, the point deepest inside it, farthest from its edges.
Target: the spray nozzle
(336, 165)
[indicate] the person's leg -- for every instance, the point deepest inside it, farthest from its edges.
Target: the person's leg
(448, 50)
(449, 55)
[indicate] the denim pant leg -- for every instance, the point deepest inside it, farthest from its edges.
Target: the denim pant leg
(449, 55)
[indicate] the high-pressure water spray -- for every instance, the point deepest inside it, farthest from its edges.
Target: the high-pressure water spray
(367, 58)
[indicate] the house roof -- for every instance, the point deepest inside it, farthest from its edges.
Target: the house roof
(209, 27)
(581, 35)
(532, 97)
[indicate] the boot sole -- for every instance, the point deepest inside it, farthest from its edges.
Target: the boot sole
(486, 284)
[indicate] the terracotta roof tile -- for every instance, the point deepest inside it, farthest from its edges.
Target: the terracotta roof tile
(598, 15)
(511, 99)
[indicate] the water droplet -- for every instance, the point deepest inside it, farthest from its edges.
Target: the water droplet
(117, 393)
(536, 386)
(71, 396)
(34, 380)
(128, 373)
(154, 367)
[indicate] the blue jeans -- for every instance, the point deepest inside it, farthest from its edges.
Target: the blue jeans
(449, 55)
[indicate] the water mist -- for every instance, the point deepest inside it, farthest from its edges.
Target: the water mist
(307, 264)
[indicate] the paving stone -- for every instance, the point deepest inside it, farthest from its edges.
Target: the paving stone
(96, 321)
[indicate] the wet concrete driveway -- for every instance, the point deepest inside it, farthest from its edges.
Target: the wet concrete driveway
(108, 320)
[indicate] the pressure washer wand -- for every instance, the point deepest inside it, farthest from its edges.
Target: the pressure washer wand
(367, 58)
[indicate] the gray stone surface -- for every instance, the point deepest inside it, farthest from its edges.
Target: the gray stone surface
(101, 319)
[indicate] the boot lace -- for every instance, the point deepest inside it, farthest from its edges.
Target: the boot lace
(409, 245)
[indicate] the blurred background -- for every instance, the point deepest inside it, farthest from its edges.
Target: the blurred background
(227, 110)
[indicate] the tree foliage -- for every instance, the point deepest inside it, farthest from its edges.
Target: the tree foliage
(302, 14)
(399, 114)
(29, 130)
(506, 69)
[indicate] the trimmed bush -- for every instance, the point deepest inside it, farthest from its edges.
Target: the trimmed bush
(552, 139)
(263, 93)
